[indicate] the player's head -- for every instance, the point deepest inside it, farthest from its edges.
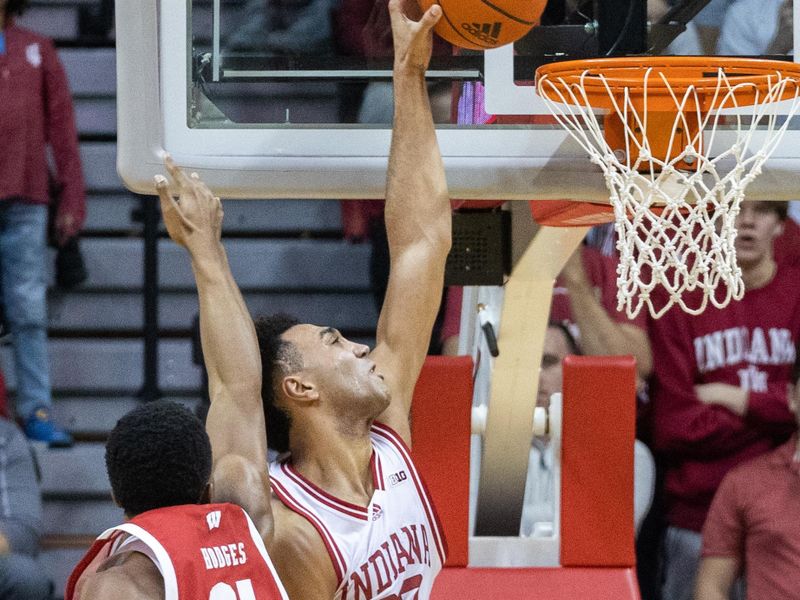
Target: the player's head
(310, 370)
(12, 8)
(758, 224)
(558, 343)
(158, 455)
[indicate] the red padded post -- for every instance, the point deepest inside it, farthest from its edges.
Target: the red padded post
(598, 431)
(441, 424)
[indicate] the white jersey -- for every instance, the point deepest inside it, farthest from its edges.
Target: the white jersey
(392, 549)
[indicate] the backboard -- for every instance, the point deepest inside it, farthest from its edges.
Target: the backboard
(266, 103)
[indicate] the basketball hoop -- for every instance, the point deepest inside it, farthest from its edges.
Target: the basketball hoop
(678, 140)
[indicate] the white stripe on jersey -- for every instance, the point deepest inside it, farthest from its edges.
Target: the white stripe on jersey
(390, 548)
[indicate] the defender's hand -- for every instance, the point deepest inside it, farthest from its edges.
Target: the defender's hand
(413, 39)
(194, 220)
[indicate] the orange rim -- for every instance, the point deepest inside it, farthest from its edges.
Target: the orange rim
(752, 78)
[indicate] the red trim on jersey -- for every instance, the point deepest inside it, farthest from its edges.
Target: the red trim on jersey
(337, 559)
(393, 438)
(329, 500)
(79, 569)
(377, 471)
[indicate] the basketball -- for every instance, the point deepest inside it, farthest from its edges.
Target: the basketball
(481, 24)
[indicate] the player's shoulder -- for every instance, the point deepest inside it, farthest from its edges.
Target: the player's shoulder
(133, 577)
(294, 533)
(300, 555)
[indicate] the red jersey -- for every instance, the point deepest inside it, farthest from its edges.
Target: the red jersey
(750, 344)
(202, 551)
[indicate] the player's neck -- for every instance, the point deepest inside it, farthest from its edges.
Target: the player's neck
(760, 274)
(337, 461)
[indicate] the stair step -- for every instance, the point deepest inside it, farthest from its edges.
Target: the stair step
(89, 517)
(97, 312)
(77, 470)
(98, 415)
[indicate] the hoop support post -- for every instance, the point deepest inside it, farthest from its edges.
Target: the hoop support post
(515, 379)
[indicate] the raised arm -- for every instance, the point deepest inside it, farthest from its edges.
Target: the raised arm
(418, 217)
(235, 422)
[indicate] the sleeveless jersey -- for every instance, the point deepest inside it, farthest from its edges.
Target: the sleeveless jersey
(392, 549)
(203, 551)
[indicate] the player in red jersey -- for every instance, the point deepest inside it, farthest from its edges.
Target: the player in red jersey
(173, 545)
(332, 389)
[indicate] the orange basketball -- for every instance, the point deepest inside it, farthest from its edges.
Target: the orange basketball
(483, 24)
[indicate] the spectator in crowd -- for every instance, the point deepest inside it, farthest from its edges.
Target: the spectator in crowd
(752, 526)
(755, 27)
(282, 27)
(36, 112)
(20, 519)
(719, 391)
(538, 510)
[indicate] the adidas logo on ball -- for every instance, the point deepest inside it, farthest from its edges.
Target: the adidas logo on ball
(486, 32)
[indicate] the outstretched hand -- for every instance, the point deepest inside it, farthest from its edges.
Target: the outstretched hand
(194, 220)
(413, 39)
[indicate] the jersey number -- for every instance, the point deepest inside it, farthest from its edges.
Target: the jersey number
(243, 591)
(410, 586)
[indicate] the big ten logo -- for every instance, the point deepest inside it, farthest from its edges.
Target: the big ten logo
(486, 32)
(397, 478)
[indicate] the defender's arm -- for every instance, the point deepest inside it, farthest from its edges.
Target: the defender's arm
(235, 422)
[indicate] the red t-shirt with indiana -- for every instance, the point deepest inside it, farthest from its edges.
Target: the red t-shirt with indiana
(750, 344)
(754, 519)
(202, 551)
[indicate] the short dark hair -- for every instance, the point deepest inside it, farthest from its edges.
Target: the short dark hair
(158, 455)
(16, 7)
(572, 343)
(278, 357)
(780, 208)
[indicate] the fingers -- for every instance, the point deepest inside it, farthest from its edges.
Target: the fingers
(175, 172)
(431, 17)
(410, 11)
(168, 203)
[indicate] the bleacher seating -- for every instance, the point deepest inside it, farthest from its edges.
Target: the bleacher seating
(288, 255)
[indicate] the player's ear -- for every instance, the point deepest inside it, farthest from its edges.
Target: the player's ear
(297, 389)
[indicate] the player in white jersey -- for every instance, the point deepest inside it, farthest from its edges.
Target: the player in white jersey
(341, 404)
(392, 547)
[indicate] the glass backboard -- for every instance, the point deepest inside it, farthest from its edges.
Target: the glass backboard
(293, 99)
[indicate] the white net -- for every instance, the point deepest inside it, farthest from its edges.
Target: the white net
(675, 210)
